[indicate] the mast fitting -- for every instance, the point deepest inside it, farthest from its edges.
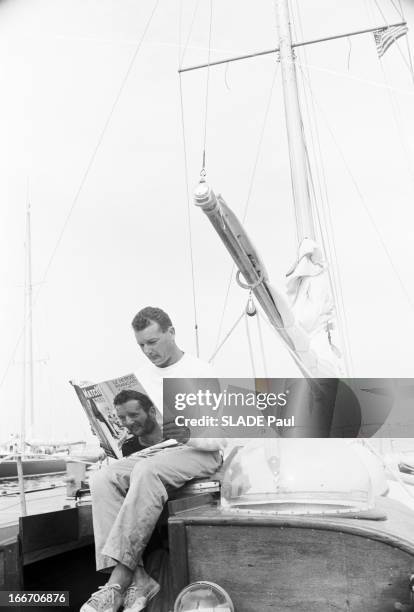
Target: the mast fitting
(249, 286)
(251, 306)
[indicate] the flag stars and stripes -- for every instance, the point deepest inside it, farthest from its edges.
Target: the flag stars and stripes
(385, 37)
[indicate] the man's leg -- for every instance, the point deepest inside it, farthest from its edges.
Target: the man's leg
(147, 494)
(130, 517)
(109, 487)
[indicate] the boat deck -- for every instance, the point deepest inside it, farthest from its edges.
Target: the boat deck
(37, 502)
(358, 558)
(50, 548)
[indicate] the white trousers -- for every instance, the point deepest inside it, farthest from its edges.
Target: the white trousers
(128, 497)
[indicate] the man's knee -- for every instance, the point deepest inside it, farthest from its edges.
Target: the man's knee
(104, 477)
(143, 471)
(146, 475)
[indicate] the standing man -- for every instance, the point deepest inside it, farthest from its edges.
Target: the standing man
(129, 494)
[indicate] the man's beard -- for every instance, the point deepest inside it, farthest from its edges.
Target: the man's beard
(149, 426)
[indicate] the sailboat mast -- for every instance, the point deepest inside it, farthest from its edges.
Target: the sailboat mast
(305, 225)
(29, 305)
(24, 395)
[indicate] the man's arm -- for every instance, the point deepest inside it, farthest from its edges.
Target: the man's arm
(182, 434)
(208, 444)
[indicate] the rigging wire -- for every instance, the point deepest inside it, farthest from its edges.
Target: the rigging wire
(181, 56)
(187, 185)
(410, 56)
(226, 337)
(250, 345)
(366, 208)
(249, 192)
(348, 63)
(189, 226)
(394, 105)
(262, 348)
(82, 184)
(397, 119)
(203, 170)
(399, 8)
(180, 30)
(226, 75)
(17, 503)
(407, 42)
(223, 311)
(298, 360)
(190, 31)
(327, 236)
(260, 143)
(353, 77)
(28, 491)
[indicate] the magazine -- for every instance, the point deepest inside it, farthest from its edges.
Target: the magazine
(97, 401)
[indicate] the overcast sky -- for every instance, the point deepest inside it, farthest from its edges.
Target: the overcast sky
(125, 244)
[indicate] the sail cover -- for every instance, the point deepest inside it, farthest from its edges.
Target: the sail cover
(307, 310)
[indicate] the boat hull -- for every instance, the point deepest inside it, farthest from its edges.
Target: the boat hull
(303, 564)
(32, 467)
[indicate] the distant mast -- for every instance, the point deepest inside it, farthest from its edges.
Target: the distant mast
(305, 225)
(30, 317)
(28, 384)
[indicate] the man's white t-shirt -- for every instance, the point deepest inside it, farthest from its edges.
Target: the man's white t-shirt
(151, 377)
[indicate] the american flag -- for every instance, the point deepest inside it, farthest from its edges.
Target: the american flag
(384, 37)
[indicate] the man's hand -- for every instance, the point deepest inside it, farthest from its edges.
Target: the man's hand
(171, 431)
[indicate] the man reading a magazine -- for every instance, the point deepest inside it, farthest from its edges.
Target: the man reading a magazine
(129, 494)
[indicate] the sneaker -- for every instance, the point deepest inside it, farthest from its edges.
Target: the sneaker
(137, 597)
(108, 599)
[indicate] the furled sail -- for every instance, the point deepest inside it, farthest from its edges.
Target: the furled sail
(308, 310)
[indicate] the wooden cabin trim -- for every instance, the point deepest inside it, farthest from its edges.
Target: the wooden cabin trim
(396, 530)
(352, 529)
(238, 551)
(177, 537)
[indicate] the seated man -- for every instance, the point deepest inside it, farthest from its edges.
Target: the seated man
(129, 494)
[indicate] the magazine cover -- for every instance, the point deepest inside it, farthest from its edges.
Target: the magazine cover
(218, 197)
(98, 402)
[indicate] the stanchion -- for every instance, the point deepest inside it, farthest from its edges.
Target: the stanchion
(21, 485)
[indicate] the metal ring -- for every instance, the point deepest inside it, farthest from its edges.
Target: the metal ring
(247, 285)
